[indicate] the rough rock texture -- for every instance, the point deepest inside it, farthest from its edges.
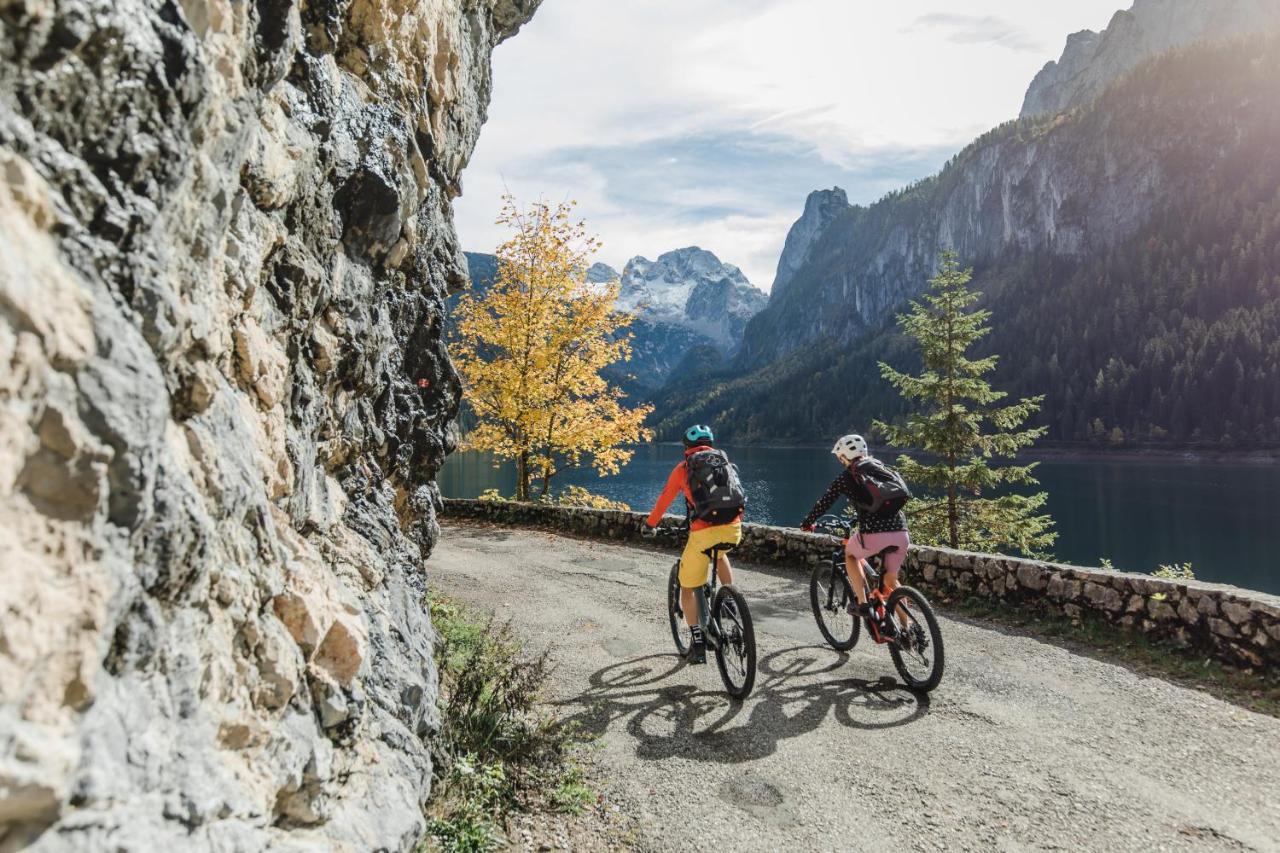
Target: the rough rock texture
(820, 208)
(1239, 626)
(1092, 61)
(225, 237)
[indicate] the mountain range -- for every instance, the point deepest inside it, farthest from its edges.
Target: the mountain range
(1125, 229)
(688, 305)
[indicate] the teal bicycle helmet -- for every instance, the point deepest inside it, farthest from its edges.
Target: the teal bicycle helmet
(698, 434)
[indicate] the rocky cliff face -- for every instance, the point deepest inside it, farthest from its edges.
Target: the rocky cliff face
(1068, 186)
(1092, 61)
(226, 240)
(820, 209)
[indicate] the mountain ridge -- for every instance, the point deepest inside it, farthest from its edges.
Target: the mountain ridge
(1091, 61)
(1179, 144)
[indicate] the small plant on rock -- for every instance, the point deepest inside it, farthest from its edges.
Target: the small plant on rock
(498, 750)
(579, 496)
(1175, 572)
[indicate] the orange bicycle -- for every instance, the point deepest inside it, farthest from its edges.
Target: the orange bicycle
(902, 619)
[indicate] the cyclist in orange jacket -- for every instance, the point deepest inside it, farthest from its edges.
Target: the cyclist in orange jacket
(716, 520)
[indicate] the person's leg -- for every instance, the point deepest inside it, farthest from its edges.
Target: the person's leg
(689, 604)
(892, 564)
(854, 552)
(857, 579)
(695, 566)
(724, 570)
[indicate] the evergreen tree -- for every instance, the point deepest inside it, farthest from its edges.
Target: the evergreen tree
(957, 419)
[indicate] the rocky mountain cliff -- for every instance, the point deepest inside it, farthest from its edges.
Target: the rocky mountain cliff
(820, 209)
(1092, 61)
(686, 302)
(692, 289)
(1071, 184)
(1127, 248)
(226, 239)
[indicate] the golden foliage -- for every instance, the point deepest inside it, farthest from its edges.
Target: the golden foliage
(531, 349)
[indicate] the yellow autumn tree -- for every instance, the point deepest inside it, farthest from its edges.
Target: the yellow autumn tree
(531, 351)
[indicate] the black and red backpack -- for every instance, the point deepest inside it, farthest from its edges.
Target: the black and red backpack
(889, 492)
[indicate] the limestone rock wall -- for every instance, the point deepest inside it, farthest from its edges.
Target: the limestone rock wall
(1239, 626)
(225, 240)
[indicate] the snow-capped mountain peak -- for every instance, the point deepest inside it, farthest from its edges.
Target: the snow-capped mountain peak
(694, 289)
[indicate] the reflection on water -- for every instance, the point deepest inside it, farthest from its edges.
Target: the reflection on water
(1222, 518)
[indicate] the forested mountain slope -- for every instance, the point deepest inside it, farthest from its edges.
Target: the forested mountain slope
(1131, 250)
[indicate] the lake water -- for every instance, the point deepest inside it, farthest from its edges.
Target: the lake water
(1223, 518)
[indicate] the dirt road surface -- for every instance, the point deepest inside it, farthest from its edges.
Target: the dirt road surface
(1024, 745)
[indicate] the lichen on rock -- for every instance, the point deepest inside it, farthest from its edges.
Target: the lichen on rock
(225, 241)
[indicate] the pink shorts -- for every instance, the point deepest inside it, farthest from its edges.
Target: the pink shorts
(863, 545)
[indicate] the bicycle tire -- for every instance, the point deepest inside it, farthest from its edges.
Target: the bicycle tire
(819, 581)
(938, 662)
(679, 628)
(743, 632)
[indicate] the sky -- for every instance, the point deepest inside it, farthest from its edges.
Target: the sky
(707, 122)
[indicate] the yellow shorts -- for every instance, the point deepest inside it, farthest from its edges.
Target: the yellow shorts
(695, 566)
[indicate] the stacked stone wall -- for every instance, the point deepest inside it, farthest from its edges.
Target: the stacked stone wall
(1238, 626)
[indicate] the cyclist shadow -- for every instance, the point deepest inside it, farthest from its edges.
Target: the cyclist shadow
(795, 693)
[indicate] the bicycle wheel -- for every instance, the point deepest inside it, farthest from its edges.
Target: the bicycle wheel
(736, 643)
(831, 598)
(679, 628)
(917, 652)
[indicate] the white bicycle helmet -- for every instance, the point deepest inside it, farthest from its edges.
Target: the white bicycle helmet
(850, 448)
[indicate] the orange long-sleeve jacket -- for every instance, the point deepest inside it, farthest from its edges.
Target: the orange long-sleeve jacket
(678, 484)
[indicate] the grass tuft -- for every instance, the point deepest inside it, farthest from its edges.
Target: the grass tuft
(498, 750)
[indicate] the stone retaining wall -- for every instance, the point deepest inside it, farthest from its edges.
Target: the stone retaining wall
(1237, 626)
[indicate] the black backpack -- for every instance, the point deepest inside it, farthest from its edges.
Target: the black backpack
(889, 492)
(717, 492)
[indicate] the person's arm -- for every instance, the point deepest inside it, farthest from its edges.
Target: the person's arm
(824, 503)
(674, 481)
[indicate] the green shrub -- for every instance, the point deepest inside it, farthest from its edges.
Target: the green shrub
(498, 750)
(578, 496)
(1175, 572)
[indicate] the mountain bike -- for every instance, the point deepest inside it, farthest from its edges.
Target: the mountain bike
(903, 620)
(727, 629)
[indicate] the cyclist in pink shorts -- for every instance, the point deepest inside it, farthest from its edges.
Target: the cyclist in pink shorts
(877, 493)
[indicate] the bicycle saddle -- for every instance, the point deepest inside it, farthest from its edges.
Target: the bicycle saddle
(723, 549)
(883, 551)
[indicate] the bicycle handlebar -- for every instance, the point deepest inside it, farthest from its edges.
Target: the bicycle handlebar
(832, 525)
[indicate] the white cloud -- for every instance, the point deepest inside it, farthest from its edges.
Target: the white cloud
(677, 123)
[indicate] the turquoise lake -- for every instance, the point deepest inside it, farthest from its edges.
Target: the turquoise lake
(1223, 518)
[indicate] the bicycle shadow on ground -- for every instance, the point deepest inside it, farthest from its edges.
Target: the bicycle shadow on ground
(796, 692)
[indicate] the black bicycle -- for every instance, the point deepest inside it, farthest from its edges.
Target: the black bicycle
(903, 619)
(727, 629)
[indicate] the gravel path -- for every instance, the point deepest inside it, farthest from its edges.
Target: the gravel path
(1024, 746)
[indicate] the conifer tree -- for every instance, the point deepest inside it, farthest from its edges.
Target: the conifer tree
(962, 425)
